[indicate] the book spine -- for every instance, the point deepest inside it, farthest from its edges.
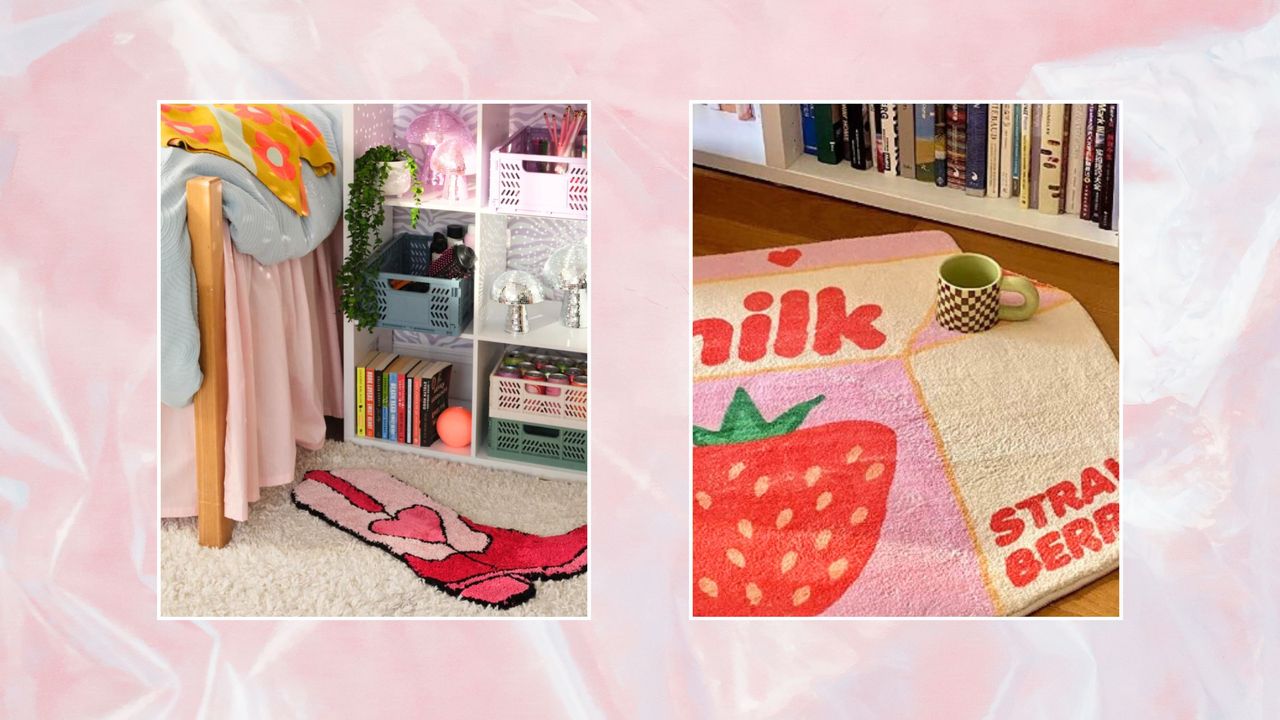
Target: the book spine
(975, 163)
(847, 136)
(1024, 190)
(439, 399)
(428, 420)
(393, 424)
(1051, 159)
(426, 430)
(408, 410)
(401, 424)
(376, 410)
(1099, 152)
(1033, 167)
(867, 131)
(878, 126)
(993, 150)
(837, 116)
(809, 128)
(825, 121)
(384, 411)
(1106, 215)
(1086, 174)
(1114, 224)
(889, 121)
(924, 142)
(359, 376)
(863, 122)
(1015, 163)
(1062, 164)
(1075, 159)
(415, 432)
(1005, 188)
(906, 140)
(940, 145)
(956, 136)
(1115, 193)
(369, 400)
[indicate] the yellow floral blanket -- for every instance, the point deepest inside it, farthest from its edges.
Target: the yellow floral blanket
(271, 141)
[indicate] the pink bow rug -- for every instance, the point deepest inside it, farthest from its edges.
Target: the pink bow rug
(486, 565)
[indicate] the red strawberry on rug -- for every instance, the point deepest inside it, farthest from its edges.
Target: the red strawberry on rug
(785, 519)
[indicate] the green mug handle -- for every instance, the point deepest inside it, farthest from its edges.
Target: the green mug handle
(1030, 298)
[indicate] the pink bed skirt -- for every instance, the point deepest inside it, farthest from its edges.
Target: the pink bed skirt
(284, 374)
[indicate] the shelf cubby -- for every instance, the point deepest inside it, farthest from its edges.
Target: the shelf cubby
(501, 240)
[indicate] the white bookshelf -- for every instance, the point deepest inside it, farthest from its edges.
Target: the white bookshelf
(488, 338)
(786, 163)
(432, 204)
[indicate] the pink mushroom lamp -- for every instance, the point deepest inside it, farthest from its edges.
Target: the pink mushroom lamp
(426, 133)
(453, 160)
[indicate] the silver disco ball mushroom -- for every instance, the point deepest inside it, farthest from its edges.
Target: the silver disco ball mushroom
(517, 289)
(566, 271)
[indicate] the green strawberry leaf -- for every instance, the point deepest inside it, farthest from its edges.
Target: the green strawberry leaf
(744, 423)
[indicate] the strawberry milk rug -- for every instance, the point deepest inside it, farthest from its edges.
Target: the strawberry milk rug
(486, 565)
(852, 457)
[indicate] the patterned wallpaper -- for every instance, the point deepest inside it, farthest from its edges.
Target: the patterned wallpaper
(532, 239)
(522, 115)
(373, 126)
(403, 115)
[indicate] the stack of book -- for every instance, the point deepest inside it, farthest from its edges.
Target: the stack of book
(399, 398)
(1055, 158)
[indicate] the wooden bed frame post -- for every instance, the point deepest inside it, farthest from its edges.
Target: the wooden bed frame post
(205, 223)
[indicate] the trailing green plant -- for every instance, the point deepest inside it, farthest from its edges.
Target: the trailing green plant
(358, 277)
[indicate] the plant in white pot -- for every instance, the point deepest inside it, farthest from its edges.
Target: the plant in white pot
(378, 173)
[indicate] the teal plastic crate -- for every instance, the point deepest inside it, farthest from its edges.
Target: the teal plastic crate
(439, 306)
(542, 444)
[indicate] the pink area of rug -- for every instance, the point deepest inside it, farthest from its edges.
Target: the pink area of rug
(854, 458)
(484, 564)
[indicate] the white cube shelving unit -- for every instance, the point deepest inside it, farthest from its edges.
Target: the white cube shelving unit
(786, 163)
(367, 125)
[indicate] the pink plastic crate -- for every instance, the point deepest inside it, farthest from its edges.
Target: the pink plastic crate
(537, 401)
(520, 182)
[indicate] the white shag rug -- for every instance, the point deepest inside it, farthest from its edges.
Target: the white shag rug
(284, 562)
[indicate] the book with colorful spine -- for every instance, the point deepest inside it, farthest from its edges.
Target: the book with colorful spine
(956, 132)
(924, 126)
(993, 150)
(889, 127)
(940, 146)
(809, 128)
(1050, 159)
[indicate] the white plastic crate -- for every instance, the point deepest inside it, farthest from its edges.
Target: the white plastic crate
(537, 401)
(536, 184)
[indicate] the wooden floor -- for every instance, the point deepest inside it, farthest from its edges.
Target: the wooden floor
(732, 213)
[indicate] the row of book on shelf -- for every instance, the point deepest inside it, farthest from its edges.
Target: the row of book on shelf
(399, 398)
(1052, 157)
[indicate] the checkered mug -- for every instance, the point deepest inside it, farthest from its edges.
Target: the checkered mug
(969, 287)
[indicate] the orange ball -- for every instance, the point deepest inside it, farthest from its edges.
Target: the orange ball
(454, 427)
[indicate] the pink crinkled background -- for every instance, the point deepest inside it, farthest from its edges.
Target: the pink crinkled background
(1200, 83)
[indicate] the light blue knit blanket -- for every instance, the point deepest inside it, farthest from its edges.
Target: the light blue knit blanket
(261, 226)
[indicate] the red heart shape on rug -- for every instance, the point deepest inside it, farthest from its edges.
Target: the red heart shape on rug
(785, 258)
(416, 522)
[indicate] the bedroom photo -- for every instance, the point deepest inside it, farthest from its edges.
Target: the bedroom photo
(375, 351)
(905, 379)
